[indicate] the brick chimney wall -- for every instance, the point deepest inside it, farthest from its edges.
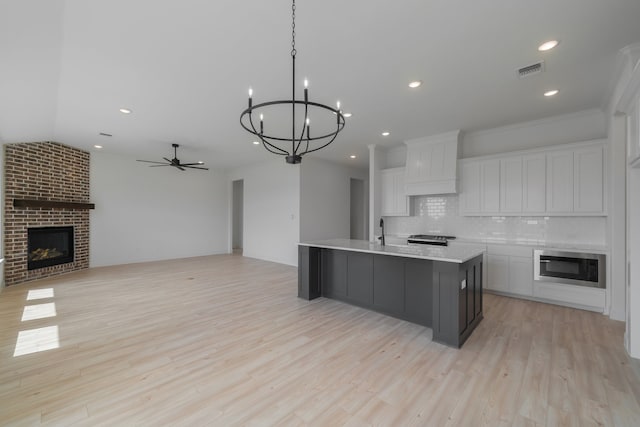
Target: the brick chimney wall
(44, 171)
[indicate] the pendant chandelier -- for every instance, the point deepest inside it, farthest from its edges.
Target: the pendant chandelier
(301, 142)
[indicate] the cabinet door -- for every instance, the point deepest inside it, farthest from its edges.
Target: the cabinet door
(388, 284)
(387, 193)
(470, 195)
(534, 183)
(521, 275)
(511, 184)
(498, 272)
(360, 278)
(490, 181)
(560, 181)
(393, 198)
(588, 189)
(401, 198)
(334, 273)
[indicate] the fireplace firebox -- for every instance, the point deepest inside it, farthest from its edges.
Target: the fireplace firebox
(49, 246)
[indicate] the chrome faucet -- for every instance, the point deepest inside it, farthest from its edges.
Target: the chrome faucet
(381, 238)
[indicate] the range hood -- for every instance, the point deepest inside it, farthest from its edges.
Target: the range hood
(431, 166)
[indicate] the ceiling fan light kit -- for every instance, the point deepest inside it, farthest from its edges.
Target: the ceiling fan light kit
(298, 144)
(175, 162)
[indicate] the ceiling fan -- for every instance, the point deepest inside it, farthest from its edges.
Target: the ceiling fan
(175, 162)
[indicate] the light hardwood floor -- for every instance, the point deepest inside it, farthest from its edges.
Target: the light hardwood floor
(223, 340)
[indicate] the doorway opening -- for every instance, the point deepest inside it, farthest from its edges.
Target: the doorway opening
(237, 213)
(358, 210)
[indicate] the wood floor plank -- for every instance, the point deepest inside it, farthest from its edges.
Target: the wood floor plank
(223, 340)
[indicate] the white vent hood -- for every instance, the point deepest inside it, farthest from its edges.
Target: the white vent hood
(431, 164)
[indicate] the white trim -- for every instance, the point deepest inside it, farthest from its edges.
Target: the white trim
(546, 120)
(570, 146)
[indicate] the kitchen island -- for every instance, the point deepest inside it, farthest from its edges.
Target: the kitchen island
(439, 287)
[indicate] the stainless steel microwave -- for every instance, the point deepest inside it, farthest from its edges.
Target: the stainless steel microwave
(572, 268)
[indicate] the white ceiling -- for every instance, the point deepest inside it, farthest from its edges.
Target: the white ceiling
(184, 67)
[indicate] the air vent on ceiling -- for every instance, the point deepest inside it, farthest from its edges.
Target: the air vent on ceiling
(104, 134)
(530, 70)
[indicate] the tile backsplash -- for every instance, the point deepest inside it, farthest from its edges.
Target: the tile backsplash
(440, 215)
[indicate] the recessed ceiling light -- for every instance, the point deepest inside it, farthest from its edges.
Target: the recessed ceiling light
(125, 111)
(97, 146)
(415, 84)
(256, 143)
(353, 156)
(551, 92)
(347, 115)
(548, 45)
(385, 133)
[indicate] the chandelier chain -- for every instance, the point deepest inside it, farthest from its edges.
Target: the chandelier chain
(293, 29)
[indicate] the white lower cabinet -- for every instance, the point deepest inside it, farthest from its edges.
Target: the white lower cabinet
(510, 269)
(575, 296)
(498, 272)
(521, 275)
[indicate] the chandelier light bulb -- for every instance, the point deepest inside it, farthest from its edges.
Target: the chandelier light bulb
(306, 83)
(338, 105)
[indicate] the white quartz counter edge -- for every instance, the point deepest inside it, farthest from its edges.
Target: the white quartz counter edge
(458, 254)
(536, 244)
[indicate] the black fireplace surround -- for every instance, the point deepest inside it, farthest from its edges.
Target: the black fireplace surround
(49, 246)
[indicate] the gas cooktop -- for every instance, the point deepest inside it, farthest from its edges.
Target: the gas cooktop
(429, 239)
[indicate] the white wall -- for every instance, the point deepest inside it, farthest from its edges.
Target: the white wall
(624, 116)
(271, 210)
(30, 39)
(325, 199)
(149, 214)
(581, 126)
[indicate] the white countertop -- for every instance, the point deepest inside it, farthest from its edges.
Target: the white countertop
(457, 254)
(540, 244)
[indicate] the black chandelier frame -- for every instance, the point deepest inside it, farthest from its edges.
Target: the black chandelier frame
(299, 145)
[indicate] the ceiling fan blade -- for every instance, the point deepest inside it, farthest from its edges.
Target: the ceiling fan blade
(159, 166)
(192, 164)
(170, 161)
(195, 167)
(150, 161)
(177, 166)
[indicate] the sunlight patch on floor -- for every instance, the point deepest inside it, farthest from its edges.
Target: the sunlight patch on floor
(39, 311)
(40, 294)
(36, 340)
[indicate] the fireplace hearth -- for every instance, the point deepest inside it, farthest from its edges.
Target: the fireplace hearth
(49, 246)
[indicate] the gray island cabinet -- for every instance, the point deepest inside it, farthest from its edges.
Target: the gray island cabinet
(437, 287)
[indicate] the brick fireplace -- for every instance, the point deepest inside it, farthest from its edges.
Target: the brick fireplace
(46, 185)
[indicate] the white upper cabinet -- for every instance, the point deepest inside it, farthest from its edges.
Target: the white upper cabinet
(511, 184)
(588, 183)
(394, 201)
(556, 181)
(431, 164)
(560, 181)
(471, 194)
(534, 183)
(480, 187)
(490, 181)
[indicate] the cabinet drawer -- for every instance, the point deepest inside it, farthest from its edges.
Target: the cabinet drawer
(590, 298)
